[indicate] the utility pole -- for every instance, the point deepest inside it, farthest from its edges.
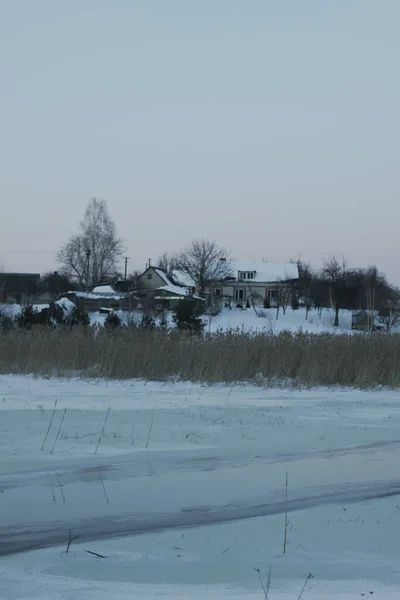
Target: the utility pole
(126, 266)
(88, 253)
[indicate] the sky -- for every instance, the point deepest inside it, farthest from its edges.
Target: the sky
(269, 126)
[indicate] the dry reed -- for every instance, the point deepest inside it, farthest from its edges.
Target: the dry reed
(306, 359)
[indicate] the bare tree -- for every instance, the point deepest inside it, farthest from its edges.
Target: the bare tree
(167, 262)
(375, 286)
(283, 298)
(334, 271)
(91, 256)
(253, 298)
(204, 261)
(389, 308)
(345, 286)
(304, 285)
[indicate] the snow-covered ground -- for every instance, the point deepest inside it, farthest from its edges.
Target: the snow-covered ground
(248, 321)
(172, 454)
(292, 320)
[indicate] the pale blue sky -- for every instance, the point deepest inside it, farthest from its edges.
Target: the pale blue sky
(270, 126)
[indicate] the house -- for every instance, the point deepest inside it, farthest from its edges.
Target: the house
(19, 288)
(258, 282)
(102, 299)
(156, 288)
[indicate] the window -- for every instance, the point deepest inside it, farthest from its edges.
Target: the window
(239, 294)
(246, 274)
(217, 291)
(149, 275)
(272, 295)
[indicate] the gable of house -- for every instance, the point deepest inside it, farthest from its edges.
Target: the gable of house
(152, 279)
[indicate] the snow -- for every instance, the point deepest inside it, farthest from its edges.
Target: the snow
(97, 296)
(11, 310)
(182, 278)
(180, 291)
(103, 289)
(247, 321)
(200, 444)
(66, 306)
(14, 310)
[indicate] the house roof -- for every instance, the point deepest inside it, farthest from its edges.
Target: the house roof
(100, 295)
(179, 291)
(172, 287)
(265, 272)
(103, 289)
(19, 283)
(182, 278)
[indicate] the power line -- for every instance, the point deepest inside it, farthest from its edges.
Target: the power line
(32, 252)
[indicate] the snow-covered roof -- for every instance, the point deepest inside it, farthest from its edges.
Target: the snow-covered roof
(103, 289)
(182, 278)
(164, 276)
(66, 305)
(264, 272)
(178, 290)
(99, 296)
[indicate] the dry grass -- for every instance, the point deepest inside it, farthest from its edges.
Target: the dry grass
(361, 361)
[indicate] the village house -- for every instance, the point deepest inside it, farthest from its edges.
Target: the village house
(258, 282)
(158, 289)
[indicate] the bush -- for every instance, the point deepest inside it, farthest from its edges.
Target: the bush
(187, 318)
(6, 322)
(267, 303)
(112, 321)
(295, 303)
(28, 317)
(78, 317)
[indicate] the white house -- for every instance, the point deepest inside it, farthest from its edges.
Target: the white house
(248, 280)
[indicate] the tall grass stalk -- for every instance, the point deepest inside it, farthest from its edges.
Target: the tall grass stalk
(301, 358)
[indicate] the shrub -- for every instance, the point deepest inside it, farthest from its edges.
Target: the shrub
(28, 317)
(6, 322)
(187, 318)
(78, 317)
(295, 303)
(112, 321)
(267, 303)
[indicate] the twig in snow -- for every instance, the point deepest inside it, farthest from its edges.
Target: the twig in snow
(200, 429)
(59, 430)
(265, 588)
(70, 540)
(227, 550)
(95, 554)
(49, 427)
(150, 430)
(309, 576)
(286, 512)
(102, 431)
